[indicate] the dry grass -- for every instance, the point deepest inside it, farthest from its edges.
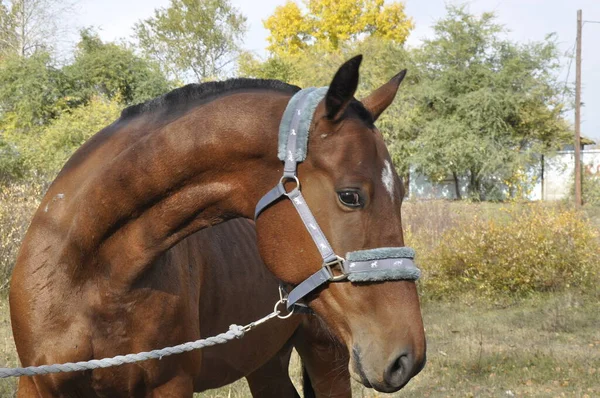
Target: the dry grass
(545, 346)
(17, 205)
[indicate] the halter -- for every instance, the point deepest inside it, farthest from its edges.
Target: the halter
(381, 264)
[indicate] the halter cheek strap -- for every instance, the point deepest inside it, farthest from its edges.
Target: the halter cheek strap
(395, 263)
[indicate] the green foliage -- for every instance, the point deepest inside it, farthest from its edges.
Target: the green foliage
(274, 67)
(195, 39)
(330, 23)
(590, 188)
(31, 90)
(521, 250)
(113, 71)
(68, 132)
(485, 106)
(11, 162)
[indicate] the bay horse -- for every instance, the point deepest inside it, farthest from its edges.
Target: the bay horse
(86, 283)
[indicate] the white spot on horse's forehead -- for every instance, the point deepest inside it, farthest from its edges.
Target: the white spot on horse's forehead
(387, 177)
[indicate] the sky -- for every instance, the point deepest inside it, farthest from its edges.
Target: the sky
(526, 20)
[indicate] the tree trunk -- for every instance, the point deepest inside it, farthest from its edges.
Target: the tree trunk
(456, 185)
(474, 186)
(406, 182)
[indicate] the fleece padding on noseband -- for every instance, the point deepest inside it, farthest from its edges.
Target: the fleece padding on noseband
(382, 264)
(314, 96)
(381, 253)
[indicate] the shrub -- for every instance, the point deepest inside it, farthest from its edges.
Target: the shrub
(68, 132)
(11, 162)
(531, 248)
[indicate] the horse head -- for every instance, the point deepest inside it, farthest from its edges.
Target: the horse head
(346, 179)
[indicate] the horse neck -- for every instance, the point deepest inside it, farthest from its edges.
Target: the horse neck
(207, 166)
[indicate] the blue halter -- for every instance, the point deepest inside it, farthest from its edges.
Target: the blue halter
(387, 263)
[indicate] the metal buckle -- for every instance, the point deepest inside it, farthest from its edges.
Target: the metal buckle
(338, 261)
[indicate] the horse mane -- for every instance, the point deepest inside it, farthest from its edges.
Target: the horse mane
(189, 95)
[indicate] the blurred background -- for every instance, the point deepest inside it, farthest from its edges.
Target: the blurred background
(481, 132)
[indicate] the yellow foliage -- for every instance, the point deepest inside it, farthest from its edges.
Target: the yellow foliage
(288, 29)
(329, 23)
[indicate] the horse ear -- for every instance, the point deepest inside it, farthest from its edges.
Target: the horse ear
(380, 99)
(342, 88)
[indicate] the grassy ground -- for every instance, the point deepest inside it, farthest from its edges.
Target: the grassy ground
(545, 346)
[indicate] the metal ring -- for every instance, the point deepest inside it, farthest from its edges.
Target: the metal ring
(285, 178)
(277, 304)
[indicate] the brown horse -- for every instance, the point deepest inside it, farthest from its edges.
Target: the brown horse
(87, 285)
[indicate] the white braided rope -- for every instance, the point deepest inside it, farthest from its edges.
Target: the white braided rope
(234, 332)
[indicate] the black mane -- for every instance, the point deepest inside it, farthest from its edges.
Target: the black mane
(185, 97)
(192, 93)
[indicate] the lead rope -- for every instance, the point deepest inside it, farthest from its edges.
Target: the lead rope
(234, 332)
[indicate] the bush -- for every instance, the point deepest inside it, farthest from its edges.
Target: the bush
(531, 248)
(68, 132)
(11, 162)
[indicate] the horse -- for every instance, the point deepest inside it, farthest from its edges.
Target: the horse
(236, 287)
(86, 283)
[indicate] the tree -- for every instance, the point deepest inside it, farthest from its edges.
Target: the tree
(11, 162)
(329, 23)
(31, 90)
(28, 26)
(193, 39)
(112, 71)
(274, 67)
(47, 154)
(486, 107)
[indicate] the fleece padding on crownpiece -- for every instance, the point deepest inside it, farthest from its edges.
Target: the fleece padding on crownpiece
(315, 95)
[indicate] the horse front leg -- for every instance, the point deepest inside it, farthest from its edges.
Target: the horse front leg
(27, 388)
(273, 379)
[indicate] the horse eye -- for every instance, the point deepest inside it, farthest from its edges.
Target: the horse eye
(350, 198)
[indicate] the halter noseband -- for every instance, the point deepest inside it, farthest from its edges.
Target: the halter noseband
(387, 263)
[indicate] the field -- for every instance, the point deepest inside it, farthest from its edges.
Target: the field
(546, 344)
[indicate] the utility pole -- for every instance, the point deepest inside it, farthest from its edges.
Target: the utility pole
(578, 200)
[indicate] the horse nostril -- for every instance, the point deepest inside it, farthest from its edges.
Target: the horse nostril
(399, 371)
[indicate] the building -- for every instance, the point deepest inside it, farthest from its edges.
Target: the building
(553, 182)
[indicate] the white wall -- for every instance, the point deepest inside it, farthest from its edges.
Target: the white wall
(558, 178)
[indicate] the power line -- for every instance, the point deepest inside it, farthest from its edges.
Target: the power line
(591, 22)
(569, 69)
